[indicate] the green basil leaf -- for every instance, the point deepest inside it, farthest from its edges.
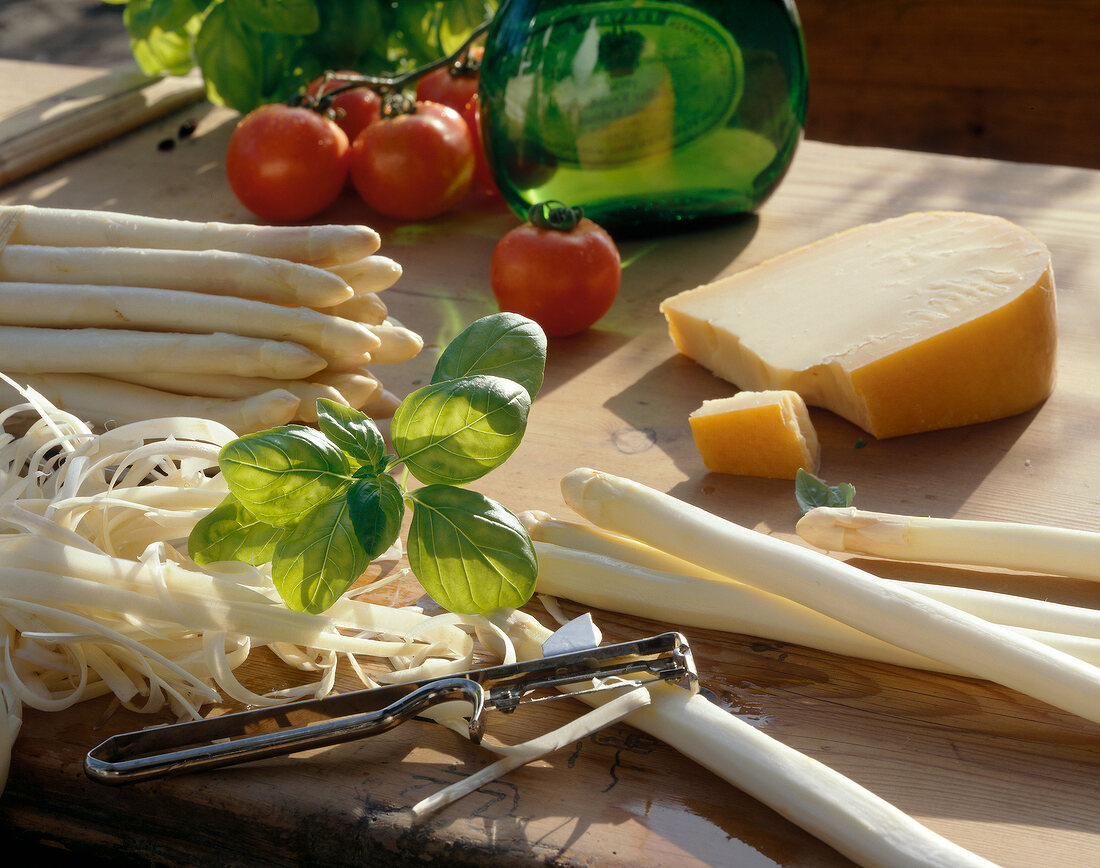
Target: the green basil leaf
(457, 431)
(231, 57)
(469, 553)
(318, 559)
(811, 492)
(230, 532)
(278, 16)
(377, 508)
(502, 344)
(284, 472)
(354, 432)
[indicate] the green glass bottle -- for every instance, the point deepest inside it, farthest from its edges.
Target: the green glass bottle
(649, 114)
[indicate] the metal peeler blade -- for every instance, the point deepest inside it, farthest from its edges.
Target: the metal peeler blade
(259, 733)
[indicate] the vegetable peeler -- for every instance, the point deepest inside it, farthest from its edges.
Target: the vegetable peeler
(259, 733)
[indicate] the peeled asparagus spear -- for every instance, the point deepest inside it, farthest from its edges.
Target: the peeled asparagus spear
(370, 274)
(340, 342)
(750, 606)
(71, 227)
(218, 272)
(1010, 545)
(825, 803)
(81, 350)
(100, 401)
(836, 589)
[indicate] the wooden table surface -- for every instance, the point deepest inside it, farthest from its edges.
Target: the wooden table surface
(1006, 776)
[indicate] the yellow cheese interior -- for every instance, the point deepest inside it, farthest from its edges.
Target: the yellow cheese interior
(756, 434)
(926, 321)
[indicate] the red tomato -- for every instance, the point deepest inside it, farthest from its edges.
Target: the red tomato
(563, 279)
(454, 84)
(354, 108)
(484, 187)
(414, 165)
(285, 163)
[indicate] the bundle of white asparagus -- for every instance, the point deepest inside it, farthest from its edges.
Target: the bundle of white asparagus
(118, 318)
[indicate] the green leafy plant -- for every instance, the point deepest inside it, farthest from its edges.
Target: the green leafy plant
(253, 52)
(320, 504)
(810, 492)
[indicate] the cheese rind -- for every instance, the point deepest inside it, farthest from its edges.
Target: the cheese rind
(921, 322)
(756, 434)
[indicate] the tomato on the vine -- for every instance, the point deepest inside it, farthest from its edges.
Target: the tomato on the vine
(287, 163)
(353, 107)
(559, 269)
(454, 83)
(415, 162)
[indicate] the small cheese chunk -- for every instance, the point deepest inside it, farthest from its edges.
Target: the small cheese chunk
(756, 434)
(921, 322)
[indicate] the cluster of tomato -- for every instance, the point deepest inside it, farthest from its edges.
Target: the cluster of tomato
(409, 159)
(413, 159)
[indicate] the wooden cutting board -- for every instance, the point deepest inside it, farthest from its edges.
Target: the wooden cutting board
(78, 109)
(995, 771)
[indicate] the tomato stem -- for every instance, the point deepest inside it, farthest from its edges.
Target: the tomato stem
(554, 215)
(397, 103)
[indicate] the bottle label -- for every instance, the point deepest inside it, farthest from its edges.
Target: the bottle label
(619, 82)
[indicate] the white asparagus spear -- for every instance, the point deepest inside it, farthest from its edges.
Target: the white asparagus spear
(229, 386)
(1007, 609)
(97, 351)
(369, 274)
(851, 819)
(71, 227)
(340, 342)
(101, 401)
(216, 272)
(1010, 545)
(838, 590)
(689, 600)
(381, 405)
(396, 344)
(367, 307)
(355, 387)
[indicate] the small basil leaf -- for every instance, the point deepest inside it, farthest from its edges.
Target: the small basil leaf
(318, 559)
(283, 472)
(502, 344)
(469, 553)
(377, 508)
(456, 431)
(354, 432)
(278, 16)
(230, 532)
(812, 492)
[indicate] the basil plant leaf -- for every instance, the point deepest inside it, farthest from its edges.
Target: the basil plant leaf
(354, 432)
(377, 508)
(502, 344)
(469, 553)
(230, 532)
(456, 431)
(231, 57)
(283, 472)
(318, 558)
(279, 16)
(811, 492)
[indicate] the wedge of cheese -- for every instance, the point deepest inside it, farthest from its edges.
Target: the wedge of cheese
(756, 434)
(921, 322)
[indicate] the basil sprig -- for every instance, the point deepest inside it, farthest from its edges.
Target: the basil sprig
(320, 504)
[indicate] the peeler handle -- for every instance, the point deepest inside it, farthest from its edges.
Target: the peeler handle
(206, 744)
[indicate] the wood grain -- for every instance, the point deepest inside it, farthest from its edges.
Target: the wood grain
(1009, 79)
(994, 771)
